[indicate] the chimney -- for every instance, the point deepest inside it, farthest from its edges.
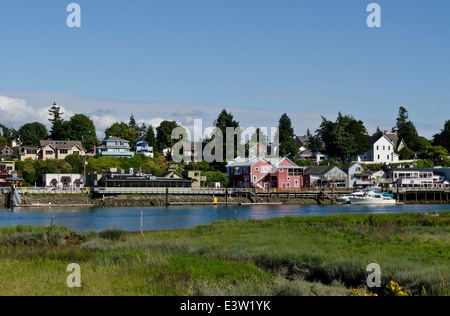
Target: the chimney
(386, 132)
(396, 133)
(95, 150)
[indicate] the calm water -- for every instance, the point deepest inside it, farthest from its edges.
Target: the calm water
(162, 218)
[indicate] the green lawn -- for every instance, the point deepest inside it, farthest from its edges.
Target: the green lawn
(286, 256)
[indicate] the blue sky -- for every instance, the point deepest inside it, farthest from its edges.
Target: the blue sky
(185, 59)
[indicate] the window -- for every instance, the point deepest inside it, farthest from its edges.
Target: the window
(63, 151)
(76, 152)
(296, 183)
(254, 179)
(389, 147)
(256, 168)
(384, 147)
(49, 152)
(378, 157)
(281, 170)
(378, 147)
(289, 179)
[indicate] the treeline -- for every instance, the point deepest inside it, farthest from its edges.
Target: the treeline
(343, 138)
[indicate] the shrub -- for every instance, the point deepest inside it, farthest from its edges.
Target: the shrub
(112, 233)
(97, 244)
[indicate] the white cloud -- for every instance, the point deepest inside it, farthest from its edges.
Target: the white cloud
(15, 112)
(18, 108)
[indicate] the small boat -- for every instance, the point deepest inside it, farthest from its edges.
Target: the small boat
(371, 197)
(346, 199)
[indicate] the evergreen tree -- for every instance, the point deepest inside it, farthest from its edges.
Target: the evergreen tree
(378, 132)
(223, 121)
(151, 139)
(407, 131)
(443, 138)
(288, 147)
(57, 131)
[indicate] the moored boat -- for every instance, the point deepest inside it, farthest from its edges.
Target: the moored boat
(371, 197)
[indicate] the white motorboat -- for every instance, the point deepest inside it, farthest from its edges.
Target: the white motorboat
(371, 197)
(346, 199)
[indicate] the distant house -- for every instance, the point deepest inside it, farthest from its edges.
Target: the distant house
(314, 155)
(382, 149)
(29, 152)
(51, 149)
(324, 176)
(264, 173)
(357, 177)
(8, 151)
(302, 141)
(60, 149)
(142, 147)
(115, 147)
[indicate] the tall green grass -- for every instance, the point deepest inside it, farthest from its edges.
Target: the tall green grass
(283, 256)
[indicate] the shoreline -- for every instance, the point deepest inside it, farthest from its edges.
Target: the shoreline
(132, 200)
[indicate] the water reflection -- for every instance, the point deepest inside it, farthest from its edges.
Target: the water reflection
(162, 218)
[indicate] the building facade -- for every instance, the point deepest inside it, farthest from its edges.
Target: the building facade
(264, 174)
(115, 147)
(382, 149)
(143, 148)
(324, 176)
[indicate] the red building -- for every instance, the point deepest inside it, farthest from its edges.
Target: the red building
(264, 174)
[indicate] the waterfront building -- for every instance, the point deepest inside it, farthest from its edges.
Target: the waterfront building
(65, 181)
(416, 178)
(132, 179)
(264, 173)
(357, 177)
(324, 176)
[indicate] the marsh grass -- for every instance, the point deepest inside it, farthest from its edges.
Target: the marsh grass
(283, 256)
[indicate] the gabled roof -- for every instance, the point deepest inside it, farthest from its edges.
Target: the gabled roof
(302, 139)
(391, 137)
(318, 170)
(347, 166)
(61, 144)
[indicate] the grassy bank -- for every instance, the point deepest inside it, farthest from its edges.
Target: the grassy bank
(287, 256)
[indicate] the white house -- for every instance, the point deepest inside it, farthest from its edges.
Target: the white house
(382, 149)
(142, 147)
